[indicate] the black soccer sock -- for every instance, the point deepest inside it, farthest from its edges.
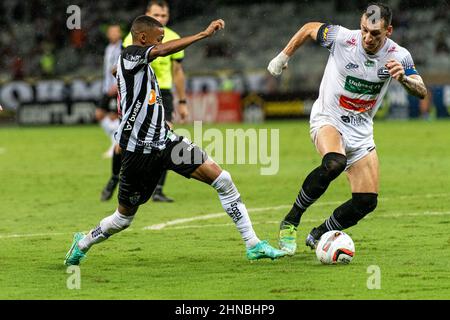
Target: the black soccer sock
(161, 182)
(315, 185)
(116, 163)
(349, 213)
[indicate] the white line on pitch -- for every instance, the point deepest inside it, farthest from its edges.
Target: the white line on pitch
(395, 215)
(8, 236)
(223, 214)
(205, 217)
(163, 225)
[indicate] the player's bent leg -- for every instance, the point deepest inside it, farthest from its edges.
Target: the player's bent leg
(118, 221)
(363, 176)
(137, 182)
(209, 172)
(329, 144)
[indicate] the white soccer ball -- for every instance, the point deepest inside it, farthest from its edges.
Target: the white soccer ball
(335, 247)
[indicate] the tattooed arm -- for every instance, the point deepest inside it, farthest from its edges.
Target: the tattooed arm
(413, 83)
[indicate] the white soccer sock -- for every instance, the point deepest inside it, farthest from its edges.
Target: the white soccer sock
(231, 202)
(107, 227)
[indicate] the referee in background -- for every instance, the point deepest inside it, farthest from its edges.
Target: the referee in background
(168, 71)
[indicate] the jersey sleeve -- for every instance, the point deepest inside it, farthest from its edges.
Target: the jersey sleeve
(408, 64)
(327, 35)
(134, 57)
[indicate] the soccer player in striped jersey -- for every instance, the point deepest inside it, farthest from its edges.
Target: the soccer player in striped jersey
(361, 65)
(169, 71)
(149, 146)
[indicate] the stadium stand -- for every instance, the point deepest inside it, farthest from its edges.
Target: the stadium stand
(35, 43)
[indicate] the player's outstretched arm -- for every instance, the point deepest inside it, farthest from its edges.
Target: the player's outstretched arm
(167, 48)
(308, 31)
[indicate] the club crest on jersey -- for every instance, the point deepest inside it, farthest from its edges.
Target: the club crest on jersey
(351, 66)
(152, 99)
(383, 73)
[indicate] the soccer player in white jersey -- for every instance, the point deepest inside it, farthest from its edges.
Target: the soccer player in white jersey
(150, 146)
(361, 65)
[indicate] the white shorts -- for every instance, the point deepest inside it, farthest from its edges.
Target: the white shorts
(356, 145)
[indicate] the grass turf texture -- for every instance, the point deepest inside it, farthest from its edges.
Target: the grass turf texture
(51, 179)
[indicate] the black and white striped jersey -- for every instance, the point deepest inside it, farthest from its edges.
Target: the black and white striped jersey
(142, 127)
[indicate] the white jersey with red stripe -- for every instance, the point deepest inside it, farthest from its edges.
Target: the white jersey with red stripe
(354, 84)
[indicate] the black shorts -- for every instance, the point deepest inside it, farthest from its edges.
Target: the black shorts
(167, 98)
(140, 173)
(107, 103)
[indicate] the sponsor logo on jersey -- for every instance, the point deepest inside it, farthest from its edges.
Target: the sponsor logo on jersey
(383, 73)
(132, 57)
(130, 122)
(351, 42)
(150, 144)
(351, 66)
(361, 86)
(392, 49)
(354, 120)
(358, 105)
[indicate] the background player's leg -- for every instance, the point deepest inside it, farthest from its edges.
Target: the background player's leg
(114, 179)
(158, 195)
(330, 146)
(363, 176)
(108, 121)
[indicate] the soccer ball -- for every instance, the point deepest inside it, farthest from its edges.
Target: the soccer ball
(335, 247)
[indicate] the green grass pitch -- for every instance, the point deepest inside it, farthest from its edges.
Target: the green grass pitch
(50, 183)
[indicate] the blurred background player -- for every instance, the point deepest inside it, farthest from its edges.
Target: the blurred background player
(106, 113)
(360, 68)
(150, 146)
(169, 71)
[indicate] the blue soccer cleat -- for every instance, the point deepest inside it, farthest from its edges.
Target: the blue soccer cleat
(264, 250)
